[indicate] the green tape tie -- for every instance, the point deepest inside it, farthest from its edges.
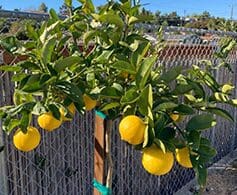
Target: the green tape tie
(101, 188)
(100, 114)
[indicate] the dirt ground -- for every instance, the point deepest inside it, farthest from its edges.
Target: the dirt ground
(222, 178)
(222, 182)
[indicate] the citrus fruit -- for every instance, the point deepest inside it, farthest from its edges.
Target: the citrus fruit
(174, 117)
(156, 162)
(26, 141)
(89, 103)
(48, 122)
(132, 129)
(183, 157)
(72, 110)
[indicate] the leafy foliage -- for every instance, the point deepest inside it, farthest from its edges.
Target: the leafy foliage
(100, 53)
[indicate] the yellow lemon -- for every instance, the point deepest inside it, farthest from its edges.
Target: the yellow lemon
(89, 103)
(132, 129)
(183, 157)
(174, 117)
(26, 141)
(48, 122)
(156, 162)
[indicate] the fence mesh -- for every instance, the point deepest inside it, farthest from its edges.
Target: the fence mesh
(64, 161)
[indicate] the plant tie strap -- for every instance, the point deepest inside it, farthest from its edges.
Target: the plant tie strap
(101, 188)
(100, 114)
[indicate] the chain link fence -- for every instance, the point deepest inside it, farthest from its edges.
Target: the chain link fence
(63, 164)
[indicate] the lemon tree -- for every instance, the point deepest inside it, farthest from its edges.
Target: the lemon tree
(99, 58)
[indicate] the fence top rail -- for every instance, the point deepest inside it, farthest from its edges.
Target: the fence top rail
(154, 28)
(25, 15)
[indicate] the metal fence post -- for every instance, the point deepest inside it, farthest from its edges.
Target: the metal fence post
(3, 181)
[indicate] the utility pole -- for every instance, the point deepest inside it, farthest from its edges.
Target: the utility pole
(231, 12)
(232, 6)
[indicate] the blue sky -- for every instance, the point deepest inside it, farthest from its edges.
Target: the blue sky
(220, 8)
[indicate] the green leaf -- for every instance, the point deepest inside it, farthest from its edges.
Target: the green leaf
(110, 92)
(47, 79)
(68, 3)
(110, 106)
(167, 133)
(67, 62)
(133, 20)
(144, 71)
(103, 58)
(181, 89)
(48, 49)
(48, 30)
(89, 35)
(148, 137)
(124, 66)
(32, 84)
(145, 101)
(19, 77)
(201, 173)
(160, 123)
(226, 88)
(140, 52)
(31, 33)
(201, 122)
(232, 102)
(55, 111)
(25, 121)
(160, 144)
(194, 138)
(71, 90)
(206, 151)
(10, 68)
(184, 109)
(38, 109)
(130, 96)
(166, 106)
(13, 123)
(53, 15)
(10, 43)
(28, 65)
(197, 88)
(172, 74)
(223, 113)
(221, 97)
(87, 6)
(211, 82)
(112, 19)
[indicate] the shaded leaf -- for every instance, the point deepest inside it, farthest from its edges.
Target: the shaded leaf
(67, 62)
(171, 74)
(130, 96)
(184, 109)
(124, 66)
(166, 106)
(55, 111)
(223, 113)
(201, 122)
(110, 92)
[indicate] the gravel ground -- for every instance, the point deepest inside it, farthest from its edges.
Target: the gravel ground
(222, 178)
